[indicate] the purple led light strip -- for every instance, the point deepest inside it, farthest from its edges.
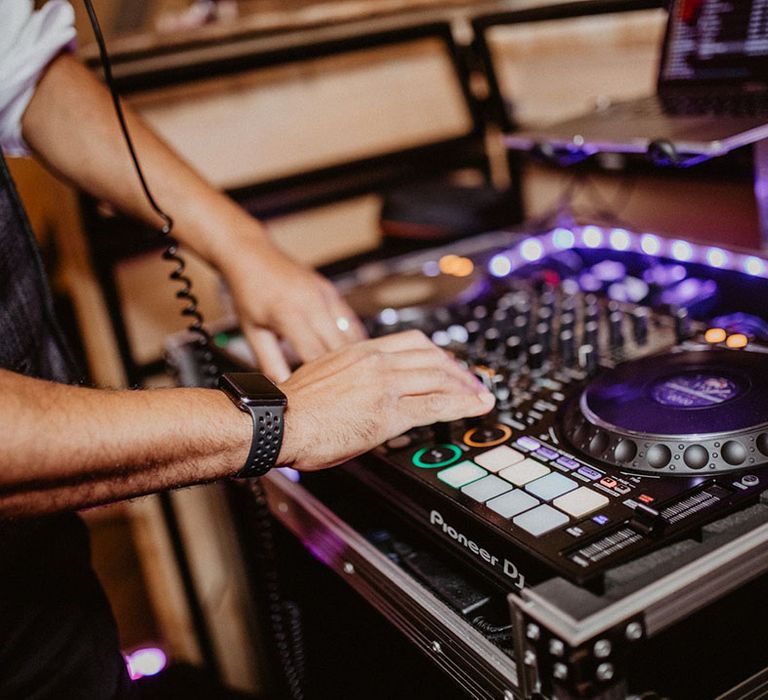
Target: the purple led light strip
(537, 247)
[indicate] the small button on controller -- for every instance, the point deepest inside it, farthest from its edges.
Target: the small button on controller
(436, 456)
(599, 443)
(625, 451)
(734, 453)
(696, 456)
(762, 443)
(487, 436)
(658, 456)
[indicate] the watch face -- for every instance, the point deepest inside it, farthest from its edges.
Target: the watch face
(252, 387)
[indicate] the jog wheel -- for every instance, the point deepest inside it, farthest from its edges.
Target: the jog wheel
(682, 413)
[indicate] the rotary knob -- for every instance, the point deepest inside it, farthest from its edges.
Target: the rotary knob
(567, 321)
(520, 326)
(513, 347)
(545, 314)
(535, 356)
(567, 347)
(500, 317)
(591, 313)
(480, 313)
(640, 325)
(591, 333)
(491, 339)
(473, 331)
(615, 328)
(682, 325)
(547, 301)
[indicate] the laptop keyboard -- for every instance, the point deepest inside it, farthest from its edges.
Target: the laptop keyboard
(742, 105)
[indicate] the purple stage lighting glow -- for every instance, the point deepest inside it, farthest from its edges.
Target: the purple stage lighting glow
(620, 239)
(537, 247)
(681, 250)
(145, 662)
(592, 236)
(609, 271)
(563, 238)
(717, 257)
(500, 265)
(650, 244)
(531, 249)
(754, 266)
(290, 473)
(689, 291)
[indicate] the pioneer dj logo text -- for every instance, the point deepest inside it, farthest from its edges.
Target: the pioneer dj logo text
(510, 570)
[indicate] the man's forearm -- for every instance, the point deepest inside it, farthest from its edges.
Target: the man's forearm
(67, 447)
(70, 123)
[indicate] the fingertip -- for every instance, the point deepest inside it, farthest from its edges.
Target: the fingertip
(487, 400)
(281, 375)
(486, 396)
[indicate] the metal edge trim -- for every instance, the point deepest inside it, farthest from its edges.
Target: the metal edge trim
(666, 601)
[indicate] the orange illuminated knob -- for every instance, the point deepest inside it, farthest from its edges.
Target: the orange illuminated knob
(715, 335)
(737, 341)
(487, 436)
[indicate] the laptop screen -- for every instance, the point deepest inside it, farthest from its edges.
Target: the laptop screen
(716, 40)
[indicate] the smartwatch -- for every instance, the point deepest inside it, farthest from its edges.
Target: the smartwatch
(253, 393)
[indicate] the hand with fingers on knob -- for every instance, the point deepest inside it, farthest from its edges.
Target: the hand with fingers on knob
(359, 396)
(277, 299)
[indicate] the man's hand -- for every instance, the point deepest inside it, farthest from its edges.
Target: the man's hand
(278, 299)
(356, 398)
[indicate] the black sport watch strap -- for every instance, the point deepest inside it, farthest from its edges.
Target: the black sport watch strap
(255, 394)
(266, 441)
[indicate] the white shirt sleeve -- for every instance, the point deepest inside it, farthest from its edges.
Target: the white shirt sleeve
(29, 40)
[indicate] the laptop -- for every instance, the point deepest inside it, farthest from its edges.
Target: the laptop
(711, 97)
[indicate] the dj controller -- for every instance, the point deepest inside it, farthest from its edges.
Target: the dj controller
(631, 383)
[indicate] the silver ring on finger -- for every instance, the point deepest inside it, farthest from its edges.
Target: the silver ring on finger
(343, 323)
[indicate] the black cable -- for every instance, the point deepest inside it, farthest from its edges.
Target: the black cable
(107, 66)
(283, 616)
(171, 252)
